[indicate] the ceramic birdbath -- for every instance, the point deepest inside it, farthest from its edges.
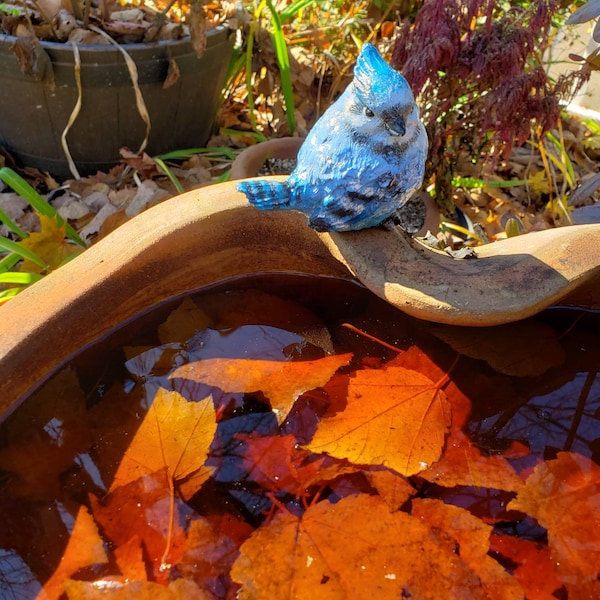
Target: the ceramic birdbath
(211, 234)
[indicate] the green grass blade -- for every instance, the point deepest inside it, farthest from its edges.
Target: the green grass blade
(290, 11)
(9, 261)
(169, 174)
(41, 205)
(185, 153)
(564, 162)
(10, 293)
(20, 278)
(4, 218)
(11, 246)
(472, 182)
(283, 60)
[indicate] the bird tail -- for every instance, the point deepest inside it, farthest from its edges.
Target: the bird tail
(266, 195)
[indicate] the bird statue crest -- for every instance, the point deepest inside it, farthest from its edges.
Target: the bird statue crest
(363, 159)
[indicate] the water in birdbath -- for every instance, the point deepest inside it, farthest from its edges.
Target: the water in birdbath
(300, 434)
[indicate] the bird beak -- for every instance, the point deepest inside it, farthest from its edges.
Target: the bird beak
(396, 127)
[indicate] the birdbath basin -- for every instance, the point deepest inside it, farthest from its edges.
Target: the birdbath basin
(211, 234)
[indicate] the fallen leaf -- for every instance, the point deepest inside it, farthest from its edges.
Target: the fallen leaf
(393, 488)
(394, 417)
(145, 511)
(44, 438)
(180, 589)
(211, 548)
(356, 548)
(278, 463)
(563, 495)
(525, 349)
(183, 322)
(281, 382)
(463, 464)
(50, 244)
(534, 570)
(84, 549)
(472, 536)
(129, 557)
(175, 434)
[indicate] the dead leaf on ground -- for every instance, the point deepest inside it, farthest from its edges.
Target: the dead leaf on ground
(282, 382)
(563, 495)
(394, 417)
(50, 244)
(356, 548)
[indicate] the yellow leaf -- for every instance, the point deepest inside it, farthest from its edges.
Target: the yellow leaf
(538, 183)
(394, 417)
(49, 244)
(175, 434)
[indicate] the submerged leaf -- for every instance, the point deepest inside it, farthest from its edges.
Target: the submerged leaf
(534, 570)
(464, 464)
(175, 434)
(564, 496)
(356, 548)
(84, 549)
(473, 537)
(394, 417)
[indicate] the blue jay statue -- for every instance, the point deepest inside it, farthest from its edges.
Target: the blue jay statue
(363, 159)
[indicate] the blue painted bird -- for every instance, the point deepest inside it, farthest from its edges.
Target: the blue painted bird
(363, 159)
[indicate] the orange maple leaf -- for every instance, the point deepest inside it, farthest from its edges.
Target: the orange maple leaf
(175, 434)
(281, 382)
(473, 538)
(394, 417)
(564, 496)
(355, 548)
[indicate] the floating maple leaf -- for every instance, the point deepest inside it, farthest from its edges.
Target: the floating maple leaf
(564, 496)
(394, 417)
(175, 434)
(473, 538)
(282, 382)
(534, 570)
(356, 548)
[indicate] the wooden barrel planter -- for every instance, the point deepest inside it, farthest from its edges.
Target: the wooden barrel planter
(34, 114)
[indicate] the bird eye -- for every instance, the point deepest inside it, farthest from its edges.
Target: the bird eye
(368, 112)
